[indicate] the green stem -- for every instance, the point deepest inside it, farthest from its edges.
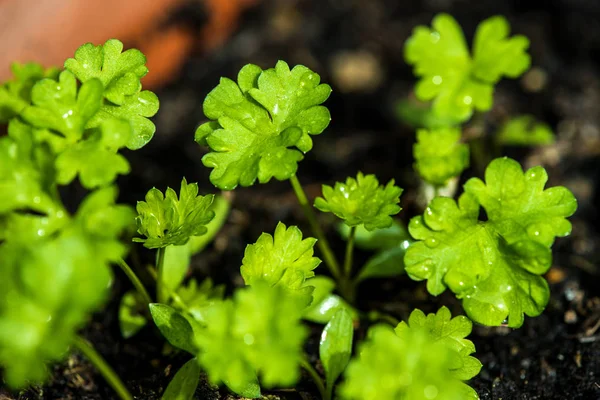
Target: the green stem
(135, 280)
(349, 253)
(322, 242)
(160, 261)
(102, 366)
(326, 395)
(374, 316)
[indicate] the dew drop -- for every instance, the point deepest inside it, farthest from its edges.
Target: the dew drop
(430, 392)
(431, 242)
(437, 80)
(467, 100)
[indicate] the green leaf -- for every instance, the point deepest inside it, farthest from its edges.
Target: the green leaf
(258, 332)
(264, 124)
(59, 106)
(456, 82)
(387, 263)
(524, 131)
(28, 207)
(167, 220)
(136, 109)
(130, 318)
(494, 266)
(174, 327)
(120, 72)
(184, 383)
(325, 303)
(335, 347)
(175, 265)
(417, 363)
(15, 94)
(96, 159)
(361, 201)
(439, 155)
(495, 55)
(378, 239)
(284, 259)
(38, 322)
(451, 332)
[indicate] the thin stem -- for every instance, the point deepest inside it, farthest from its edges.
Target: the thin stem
(315, 377)
(322, 242)
(160, 261)
(102, 366)
(135, 280)
(349, 253)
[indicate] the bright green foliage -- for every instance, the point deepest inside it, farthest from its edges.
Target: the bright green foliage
(258, 333)
(494, 266)
(283, 259)
(15, 94)
(451, 332)
(184, 383)
(415, 363)
(362, 201)
(120, 75)
(439, 155)
(261, 125)
(28, 207)
(167, 220)
(50, 286)
(456, 81)
(525, 131)
(61, 112)
(325, 303)
(335, 346)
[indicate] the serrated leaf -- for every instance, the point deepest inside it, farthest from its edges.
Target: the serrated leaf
(174, 327)
(136, 109)
(184, 383)
(506, 254)
(120, 72)
(59, 106)
(130, 319)
(412, 366)
(264, 124)
(456, 82)
(168, 220)
(361, 201)
(259, 333)
(283, 259)
(439, 155)
(95, 160)
(335, 347)
(524, 130)
(451, 333)
(15, 94)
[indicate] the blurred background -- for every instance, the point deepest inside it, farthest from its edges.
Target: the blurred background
(357, 47)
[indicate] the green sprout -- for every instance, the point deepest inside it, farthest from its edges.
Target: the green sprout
(456, 81)
(428, 358)
(494, 266)
(439, 155)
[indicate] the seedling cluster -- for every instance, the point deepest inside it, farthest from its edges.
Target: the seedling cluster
(70, 125)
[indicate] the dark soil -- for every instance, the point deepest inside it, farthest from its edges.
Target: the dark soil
(554, 356)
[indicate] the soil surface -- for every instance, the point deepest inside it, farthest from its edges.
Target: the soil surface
(356, 46)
